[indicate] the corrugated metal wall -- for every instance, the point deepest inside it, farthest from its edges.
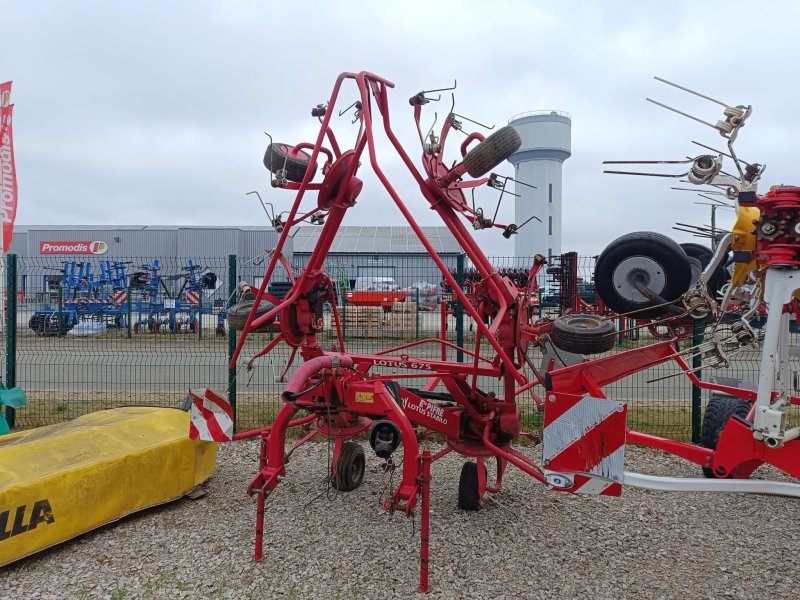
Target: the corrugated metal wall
(404, 268)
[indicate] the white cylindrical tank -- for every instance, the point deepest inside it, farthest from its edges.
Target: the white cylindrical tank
(546, 144)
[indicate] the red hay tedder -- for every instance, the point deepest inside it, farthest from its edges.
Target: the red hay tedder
(341, 394)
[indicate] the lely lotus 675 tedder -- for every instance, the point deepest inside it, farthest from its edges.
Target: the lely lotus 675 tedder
(340, 394)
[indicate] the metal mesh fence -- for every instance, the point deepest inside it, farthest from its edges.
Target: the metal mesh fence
(93, 334)
(97, 334)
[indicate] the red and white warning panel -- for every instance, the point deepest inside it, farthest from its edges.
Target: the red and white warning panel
(120, 297)
(211, 416)
(583, 444)
(193, 297)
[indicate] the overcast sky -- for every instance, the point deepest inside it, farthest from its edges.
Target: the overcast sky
(154, 112)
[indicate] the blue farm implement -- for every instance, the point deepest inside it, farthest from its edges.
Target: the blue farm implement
(159, 306)
(84, 297)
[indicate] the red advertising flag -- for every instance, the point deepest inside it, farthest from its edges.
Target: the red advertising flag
(8, 173)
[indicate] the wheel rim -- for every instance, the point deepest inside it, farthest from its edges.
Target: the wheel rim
(629, 270)
(585, 323)
(356, 469)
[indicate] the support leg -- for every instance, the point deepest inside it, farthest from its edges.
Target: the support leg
(258, 553)
(769, 418)
(425, 490)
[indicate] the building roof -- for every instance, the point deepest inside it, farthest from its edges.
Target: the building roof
(370, 239)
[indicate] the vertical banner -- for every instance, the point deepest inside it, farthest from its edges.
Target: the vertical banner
(8, 174)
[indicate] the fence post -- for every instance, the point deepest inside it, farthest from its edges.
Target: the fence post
(458, 309)
(200, 315)
(541, 308)
(11, 331)
(129, 313)
(60, 309)
(698, 331)
(417, 315)
(344, 318)
(232, 281)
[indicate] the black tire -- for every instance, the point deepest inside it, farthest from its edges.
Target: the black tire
(719, 277)
(583, 334)
(665, 269)
(719, 410)
(469, 497)
(350, 468)
(492, 151)
(238, 313)
(36, 322)
(277, 157)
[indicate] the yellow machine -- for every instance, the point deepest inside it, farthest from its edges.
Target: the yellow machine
(60, 481)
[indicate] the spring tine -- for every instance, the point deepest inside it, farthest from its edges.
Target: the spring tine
(473, 121)
(685, 89)
(680, 112)
(645, 174)
(649, 162)
(678, 374)
(682, 189)
(694, 233)
(719, 151)
(444, 89)
(719, 202)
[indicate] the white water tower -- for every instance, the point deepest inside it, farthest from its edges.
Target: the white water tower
(546, 144)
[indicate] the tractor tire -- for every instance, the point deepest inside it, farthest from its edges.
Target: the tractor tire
(469, 496)
(583, 334)
(238, 313)
(350, 467)
(719, 410)
(719, 277)
(492, 151)
(656, 259)
(278, 157)
(37, 322)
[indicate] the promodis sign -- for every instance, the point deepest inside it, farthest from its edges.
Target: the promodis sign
(73, 247)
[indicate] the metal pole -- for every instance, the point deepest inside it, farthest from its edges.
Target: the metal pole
(60, 309)
(458, 308)
(714, 227)
(232, 281)
(128, 313)
(698, 331)
(417, 313)
(11, 332)
(200, 314)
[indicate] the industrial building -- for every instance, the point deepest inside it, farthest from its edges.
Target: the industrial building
(356, 251)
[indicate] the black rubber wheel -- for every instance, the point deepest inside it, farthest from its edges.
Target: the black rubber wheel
(37, 322)
(719, 277)
(719, 410)
(350, 468)
(55, 324)
(492, 151)
(469, 497)
(277, 157)
(238, 313)
(583, 334)
(661, 264)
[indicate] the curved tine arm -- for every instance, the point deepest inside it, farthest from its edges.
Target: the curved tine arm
(292, 213)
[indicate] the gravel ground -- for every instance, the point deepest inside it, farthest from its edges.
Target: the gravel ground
(527, 543)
